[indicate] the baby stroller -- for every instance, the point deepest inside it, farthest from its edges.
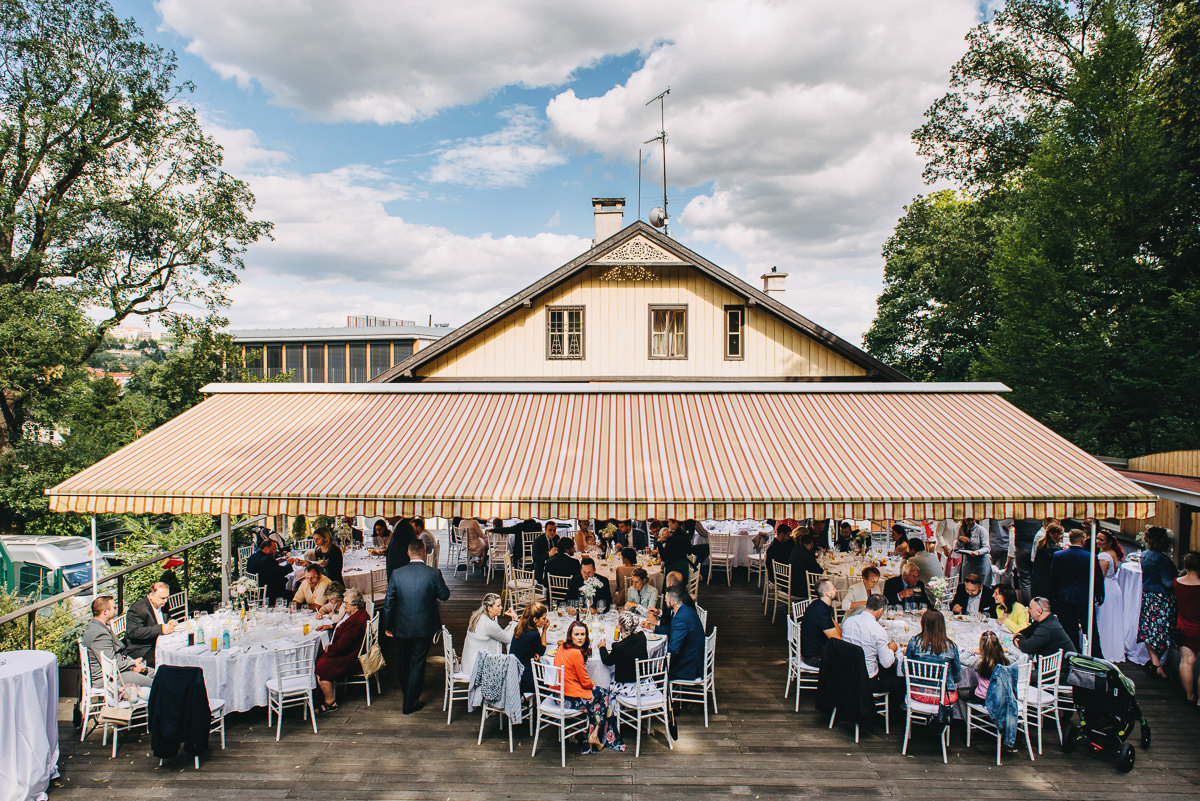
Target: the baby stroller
(1104, 699)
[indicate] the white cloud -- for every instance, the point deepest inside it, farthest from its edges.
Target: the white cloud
(795, 117)
(508, 157)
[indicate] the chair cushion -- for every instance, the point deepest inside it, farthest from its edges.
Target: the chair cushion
(1036, 697)
(216, 705)
(295, 684)
(649, 700)
(460, 676)
(551, 707)
(807, 668)
(922, 707)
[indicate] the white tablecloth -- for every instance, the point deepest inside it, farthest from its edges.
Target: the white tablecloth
(602, 629)
(1130, 579)
(28, 724)
(239, 675)
(741, 537)
(356, 571)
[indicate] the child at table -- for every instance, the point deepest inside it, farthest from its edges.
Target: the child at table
(991, 656)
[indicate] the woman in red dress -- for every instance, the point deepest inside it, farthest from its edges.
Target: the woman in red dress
(340, 659)
(1187, 623)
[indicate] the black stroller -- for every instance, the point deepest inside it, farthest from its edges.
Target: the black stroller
(1104, 699)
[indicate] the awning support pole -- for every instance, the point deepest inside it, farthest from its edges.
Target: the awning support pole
(1091, 603)
(95, 559)
(225, 557)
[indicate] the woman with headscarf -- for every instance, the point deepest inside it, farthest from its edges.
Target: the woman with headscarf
(624, 655)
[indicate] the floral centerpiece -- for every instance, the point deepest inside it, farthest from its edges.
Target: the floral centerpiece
(240, 594)
(345, 532)
(937, 589)
(589, 589)
(607, 533)
(863, 539)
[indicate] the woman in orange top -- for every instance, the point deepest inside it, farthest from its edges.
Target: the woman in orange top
(582, 693)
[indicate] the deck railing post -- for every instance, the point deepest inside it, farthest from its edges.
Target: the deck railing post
(187, 571)
(32, 628)
(120, 594)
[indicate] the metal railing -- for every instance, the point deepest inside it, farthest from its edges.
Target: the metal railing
(91, 587)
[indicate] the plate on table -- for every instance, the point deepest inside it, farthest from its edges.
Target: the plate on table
(961, 617)
(654, 637)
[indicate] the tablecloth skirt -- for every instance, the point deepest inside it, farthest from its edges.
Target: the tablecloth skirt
(28, 724)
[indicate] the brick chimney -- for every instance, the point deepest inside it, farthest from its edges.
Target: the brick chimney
(774, 283)
(609, 212)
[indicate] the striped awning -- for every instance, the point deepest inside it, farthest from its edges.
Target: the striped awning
(711, 451)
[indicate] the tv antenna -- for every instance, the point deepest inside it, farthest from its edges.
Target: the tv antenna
(658, 216)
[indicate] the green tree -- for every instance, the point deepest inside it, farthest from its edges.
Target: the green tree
(937, 309)
(108, 185)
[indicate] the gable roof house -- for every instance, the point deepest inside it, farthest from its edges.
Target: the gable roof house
(640, 306)
(637, 380)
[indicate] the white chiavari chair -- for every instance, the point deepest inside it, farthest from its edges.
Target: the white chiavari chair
(457, 682)
(720, 555)
(292, 684)
(651, 700)
(978, 718)
(702, 688)
(924, 680)
(551, 708)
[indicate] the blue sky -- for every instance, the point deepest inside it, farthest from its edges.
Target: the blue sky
(426, 161)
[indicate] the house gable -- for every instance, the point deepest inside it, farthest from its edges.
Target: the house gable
(611, 290)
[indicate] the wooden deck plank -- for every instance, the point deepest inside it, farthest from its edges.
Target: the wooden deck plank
(756, 747)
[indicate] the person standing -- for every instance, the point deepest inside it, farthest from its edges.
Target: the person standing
(411, 617)
(1043, 561)
(1110, 617)
(1187, 625)
(397, 552)
(146, 621)
(1158, 597)
(974, 546)
(1072, 571)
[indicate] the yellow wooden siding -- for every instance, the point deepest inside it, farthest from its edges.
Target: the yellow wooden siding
(616, 336)
(1176, 463)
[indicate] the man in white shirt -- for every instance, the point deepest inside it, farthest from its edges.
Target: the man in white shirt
(879, 650)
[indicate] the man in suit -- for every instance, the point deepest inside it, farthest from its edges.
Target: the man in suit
(411, 617)
(146, 621)
(629, 537)
(1070, 569)
(804, 562)
(685, 641)
(780, 549)
(98, 638)
(271, 573)
(587, 570)
(1045, 635)
(907, 589)
(544, 547)
(973, 598)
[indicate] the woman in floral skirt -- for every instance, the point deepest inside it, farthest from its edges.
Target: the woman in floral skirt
(1158, 596)
(580, 692)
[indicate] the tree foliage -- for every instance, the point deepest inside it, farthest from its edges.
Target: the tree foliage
(109, 188)
(1072, 126)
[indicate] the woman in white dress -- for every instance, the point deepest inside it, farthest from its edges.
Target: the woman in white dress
(484, 633)
(1110, 615)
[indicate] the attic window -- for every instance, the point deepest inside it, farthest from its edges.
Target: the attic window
(564, 332)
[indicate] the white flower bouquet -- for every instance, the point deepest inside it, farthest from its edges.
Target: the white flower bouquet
(937, 588)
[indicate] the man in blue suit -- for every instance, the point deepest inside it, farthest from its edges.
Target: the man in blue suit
(1069, 570)
(411, 616)
(685, 641)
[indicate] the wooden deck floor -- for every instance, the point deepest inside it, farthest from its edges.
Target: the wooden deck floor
(756, 747)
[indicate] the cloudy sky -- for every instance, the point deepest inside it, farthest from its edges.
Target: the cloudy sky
(427, 160)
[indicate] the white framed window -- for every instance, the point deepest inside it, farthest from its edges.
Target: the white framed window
(668, 332)
(735, 332)
(564, 332)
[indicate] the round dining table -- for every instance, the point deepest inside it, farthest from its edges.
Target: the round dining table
(239, 674)
(28, 724)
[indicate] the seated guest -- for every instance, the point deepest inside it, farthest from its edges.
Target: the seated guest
(587, 570)
(418, 524)
(818, 625)
(907, 589)
(476, 542)
(857, 596)
(641, 596)
(582, 693)
(625, 571)
(545, 546)
(879, 650)
(973, 598)
(397, 553)
(146, 621)
(780, 550)
(98, 638)
(334, 608)
(1044, 635)
(991, 656)
(700, 546)
(1008, 610)
(685, 641)
(311, 591)
(381, 535)
(898, 541)
(629, 537)
(529, 641)
(932, 645)
(270, 571)
(340, 657)
(844, 541)
(484, 632)
(327, 554)
(804, 563)
(585, 538)
(925, 560)
(563, 563)
(624, 655)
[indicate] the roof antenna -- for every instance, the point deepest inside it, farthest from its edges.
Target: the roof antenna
(658, 216)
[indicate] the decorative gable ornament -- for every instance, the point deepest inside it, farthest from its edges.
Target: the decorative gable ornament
(628, 272)
(638, 250)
